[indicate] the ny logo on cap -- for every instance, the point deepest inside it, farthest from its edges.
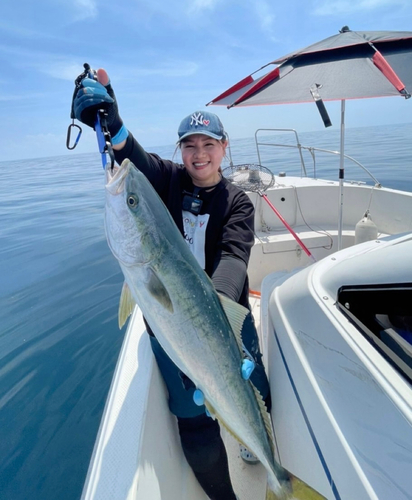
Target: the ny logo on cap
(197, 119)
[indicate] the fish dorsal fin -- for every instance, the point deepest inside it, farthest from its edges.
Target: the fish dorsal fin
(265, 415)
(126, 305)
(236, 315)
(158, 291)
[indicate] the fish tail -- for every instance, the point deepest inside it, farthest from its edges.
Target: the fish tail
(302, 491)
(291, 489)
(271, 495)
(274, 490)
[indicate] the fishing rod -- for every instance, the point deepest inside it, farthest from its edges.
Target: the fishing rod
(258, 179)
(104, 140)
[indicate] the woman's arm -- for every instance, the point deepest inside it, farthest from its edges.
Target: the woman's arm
(232, 258)
(229, 276)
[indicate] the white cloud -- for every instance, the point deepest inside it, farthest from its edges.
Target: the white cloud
(58, 66)
(266, 17)
(18, 30)
(62, 69)
(198, 6)
(85, 9)
(178, 12)
(68, 67)
(174, 10)
(20, 97)
(169, 69)
(329, 7)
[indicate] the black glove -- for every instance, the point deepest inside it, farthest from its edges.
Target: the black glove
(93, 96)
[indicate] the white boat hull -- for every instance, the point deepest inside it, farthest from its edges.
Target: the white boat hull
(342, 414)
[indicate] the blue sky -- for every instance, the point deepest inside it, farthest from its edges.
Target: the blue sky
(166, 59)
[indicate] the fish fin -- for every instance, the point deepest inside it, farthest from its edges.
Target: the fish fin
(158, 291)
(211, 410)
(302, 491)
(126, 305)
(265, 415)
(291, 488)
(271, 495)
(236, 315)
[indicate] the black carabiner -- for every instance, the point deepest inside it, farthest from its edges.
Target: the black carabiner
(69, 133)
(87, 73)
(104, 139)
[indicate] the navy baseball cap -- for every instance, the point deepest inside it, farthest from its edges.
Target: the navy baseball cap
(201, 122)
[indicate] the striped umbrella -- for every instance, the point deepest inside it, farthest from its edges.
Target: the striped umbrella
(350, 65)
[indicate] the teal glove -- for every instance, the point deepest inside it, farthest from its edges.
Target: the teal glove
(248, 364)
(93, 96)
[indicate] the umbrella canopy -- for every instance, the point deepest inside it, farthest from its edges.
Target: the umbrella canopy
(350, 65)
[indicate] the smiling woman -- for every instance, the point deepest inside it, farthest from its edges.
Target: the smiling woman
(203, 142)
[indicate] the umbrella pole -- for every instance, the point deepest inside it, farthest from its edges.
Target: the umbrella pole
(341, 172)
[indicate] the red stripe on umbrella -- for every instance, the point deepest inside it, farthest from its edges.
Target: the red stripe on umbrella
(235, 88)
(270, 77)
(382, 64)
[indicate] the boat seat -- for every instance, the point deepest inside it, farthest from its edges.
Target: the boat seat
(283, 241)
(288, 253)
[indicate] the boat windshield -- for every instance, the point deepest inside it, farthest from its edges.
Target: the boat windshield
(383, 315)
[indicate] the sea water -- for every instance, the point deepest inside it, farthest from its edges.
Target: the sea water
(59, 292)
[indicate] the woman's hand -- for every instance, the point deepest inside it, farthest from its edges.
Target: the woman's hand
(98, 94)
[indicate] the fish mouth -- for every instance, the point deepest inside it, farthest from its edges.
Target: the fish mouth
(116, 176)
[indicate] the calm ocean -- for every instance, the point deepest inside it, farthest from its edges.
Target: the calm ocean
(59, 292)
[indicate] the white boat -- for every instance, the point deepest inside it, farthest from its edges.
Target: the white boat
(340, 370)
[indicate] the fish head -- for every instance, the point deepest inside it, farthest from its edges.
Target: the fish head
(129, 220)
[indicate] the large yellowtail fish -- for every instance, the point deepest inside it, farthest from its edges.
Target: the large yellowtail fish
(199, 330)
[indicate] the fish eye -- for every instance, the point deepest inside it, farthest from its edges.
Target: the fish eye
(132, 201)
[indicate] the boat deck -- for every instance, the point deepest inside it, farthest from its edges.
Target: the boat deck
(249, 481)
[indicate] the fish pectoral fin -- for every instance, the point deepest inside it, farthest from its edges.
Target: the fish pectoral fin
(236, 315)
(158, 291)
(126, 305)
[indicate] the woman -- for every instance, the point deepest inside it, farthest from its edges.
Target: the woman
(217, 221)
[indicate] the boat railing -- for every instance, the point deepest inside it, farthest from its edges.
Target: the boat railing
(312, 151)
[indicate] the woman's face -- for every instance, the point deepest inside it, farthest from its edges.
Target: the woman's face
(202, 157)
